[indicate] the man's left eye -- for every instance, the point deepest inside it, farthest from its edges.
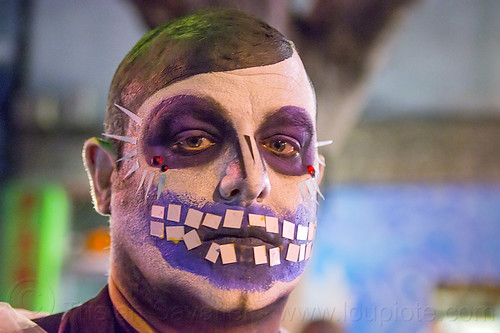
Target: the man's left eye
(282, 146)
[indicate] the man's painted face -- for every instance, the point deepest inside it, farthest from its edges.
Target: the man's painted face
(220, 197)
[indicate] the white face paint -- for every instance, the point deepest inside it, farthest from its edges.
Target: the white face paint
(239, 140)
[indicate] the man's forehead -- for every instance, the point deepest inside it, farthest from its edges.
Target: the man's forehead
(283, 83)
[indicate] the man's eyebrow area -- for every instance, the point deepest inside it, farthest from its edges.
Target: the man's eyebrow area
(182, 112)
(288, 116)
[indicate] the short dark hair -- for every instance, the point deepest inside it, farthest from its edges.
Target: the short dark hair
(208, 41)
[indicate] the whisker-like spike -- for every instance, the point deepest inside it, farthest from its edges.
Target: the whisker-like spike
(162, 178)
(132, 170)
(324, 143)
(316, 186)
(150, 182)
(129, 155)
(310, 188)
(121, 138)
(129, 113)
(144, 173)
(303, 190)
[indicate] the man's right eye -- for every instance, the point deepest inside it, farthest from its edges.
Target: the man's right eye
(193, 142)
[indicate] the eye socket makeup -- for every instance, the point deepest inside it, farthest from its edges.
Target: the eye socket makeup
(290, 128)
(193, 142)
(282, 146)
(186, 131)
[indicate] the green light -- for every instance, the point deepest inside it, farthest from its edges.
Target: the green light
(53, 218)
(34, 228)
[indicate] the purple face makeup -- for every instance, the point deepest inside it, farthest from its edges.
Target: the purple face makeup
(179, 119)
(289, 124)
(243, 274)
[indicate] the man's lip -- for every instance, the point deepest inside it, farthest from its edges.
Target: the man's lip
(241, 242)
(246, 234)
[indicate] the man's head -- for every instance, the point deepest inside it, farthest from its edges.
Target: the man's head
(210, 41)
(214, 205)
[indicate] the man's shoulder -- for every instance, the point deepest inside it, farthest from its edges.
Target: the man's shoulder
(95, 315)
(50, 323)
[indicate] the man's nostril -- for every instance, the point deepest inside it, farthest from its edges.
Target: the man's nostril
(234, 193)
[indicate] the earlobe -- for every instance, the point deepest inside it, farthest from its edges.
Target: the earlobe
(99, 162)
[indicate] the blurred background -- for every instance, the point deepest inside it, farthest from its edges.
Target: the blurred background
(409, 235)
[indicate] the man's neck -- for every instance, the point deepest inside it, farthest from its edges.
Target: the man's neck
(143, 319)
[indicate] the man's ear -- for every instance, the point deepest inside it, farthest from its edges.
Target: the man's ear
(99, 161)
(321, 168)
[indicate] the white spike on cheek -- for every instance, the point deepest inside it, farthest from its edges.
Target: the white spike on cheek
(150, 182)
(129, 113)
(162, 178)
(324, 143)
(132, 170)
(129, 155)
(121, 138)
(303, 190)
(144, 174)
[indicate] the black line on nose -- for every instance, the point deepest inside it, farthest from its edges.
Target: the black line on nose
(249, 143)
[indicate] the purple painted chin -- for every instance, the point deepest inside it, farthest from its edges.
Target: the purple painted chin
(244, 274)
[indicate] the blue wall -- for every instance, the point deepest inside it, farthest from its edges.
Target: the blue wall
(395, 243)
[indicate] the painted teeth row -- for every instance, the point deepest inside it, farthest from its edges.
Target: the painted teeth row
(233, 219)
(227, 251)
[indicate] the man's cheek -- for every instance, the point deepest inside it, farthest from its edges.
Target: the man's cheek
(286, 192)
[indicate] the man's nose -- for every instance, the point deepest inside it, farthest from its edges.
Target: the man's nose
(246, 178)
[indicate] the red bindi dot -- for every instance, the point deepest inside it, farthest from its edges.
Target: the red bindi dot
(164, 168)
(156, 160)
(311, 170)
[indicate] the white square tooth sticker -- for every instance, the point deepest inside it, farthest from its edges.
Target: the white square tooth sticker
(192, 239)
(288, 230)
(274, 256)
(302, 252)
(308, 250)
(227, 253)
(302, 232)
(311, 231)
(233, 219)
(174, 213)
(157, 211)
(293, 252)
(193, 218)
(157, 229)
(213, 253)
(255, 220)
(211, 221)
(175, 233)
(272, 224)
(260, 254)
